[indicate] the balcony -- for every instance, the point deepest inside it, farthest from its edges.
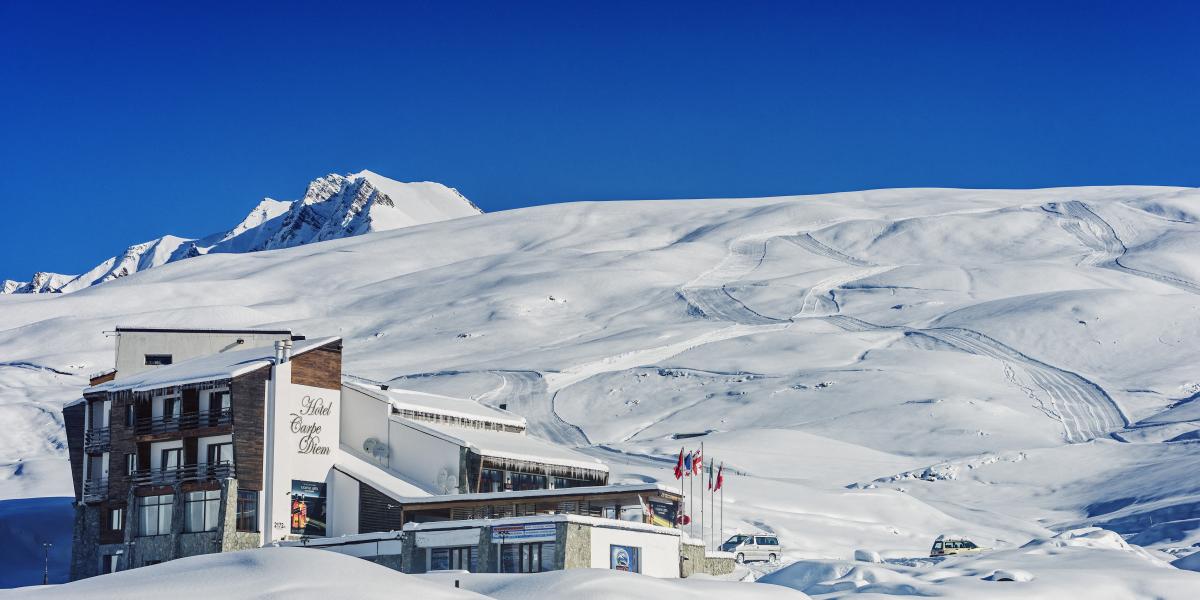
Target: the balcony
(97, 440)
(183, 422)
(205, 472)
(95, 490)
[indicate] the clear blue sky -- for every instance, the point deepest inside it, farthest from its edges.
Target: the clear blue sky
(122, 122)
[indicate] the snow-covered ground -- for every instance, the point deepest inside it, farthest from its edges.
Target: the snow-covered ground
(877, 367)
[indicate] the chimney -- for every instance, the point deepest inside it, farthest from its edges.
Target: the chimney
(287, 350)
(278, 352)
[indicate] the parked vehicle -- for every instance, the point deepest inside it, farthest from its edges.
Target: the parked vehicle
(756, 546)
(944, 546)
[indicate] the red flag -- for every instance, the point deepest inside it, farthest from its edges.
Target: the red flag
(679, 465)
(720, 478)
(697, 469)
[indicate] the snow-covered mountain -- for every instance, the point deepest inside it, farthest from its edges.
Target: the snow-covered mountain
(874, 368)
(333, 207)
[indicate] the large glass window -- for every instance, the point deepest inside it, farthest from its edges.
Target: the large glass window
(528, 481)
(527, 558)
(457, 558)
(203, 509)
(491, 480)
(155, 514)
(158, 359)
(566, 482)
(247, 511)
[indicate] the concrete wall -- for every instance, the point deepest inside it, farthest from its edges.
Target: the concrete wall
(659, 552)
(424, 458)
(364, 417)
(343, 505)
(133, 346)
(700, 561)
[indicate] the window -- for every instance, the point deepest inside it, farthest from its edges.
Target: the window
(527, 558)
(171, 458)
(566, 482)
(171, 406)
(491, 480)
(220, 453)
(528, 481)
(459, 558)
(247, 511)
(130, 463)
(130, 415)
(203, 510)
(766, 541)
(108, 563)
(116, 519)
(155, 514)
(158, 359)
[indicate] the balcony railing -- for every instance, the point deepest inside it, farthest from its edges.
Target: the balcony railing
(205, 472)
(193, 420)
(97, 440)
(95, 490)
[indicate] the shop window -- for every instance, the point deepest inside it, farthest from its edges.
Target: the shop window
(203, 510)
(155, 514)
(527, 558)
(461, 558)
(247, 511)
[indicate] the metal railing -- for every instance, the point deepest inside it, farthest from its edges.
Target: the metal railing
(95, 490)
(192, 420)
(168, 476)
(97, 440)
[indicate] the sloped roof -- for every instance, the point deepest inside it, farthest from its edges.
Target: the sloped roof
(435, 403)
(223, 365)
(508, 445)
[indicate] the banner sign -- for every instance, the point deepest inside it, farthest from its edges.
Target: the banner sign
(625, 558)
(308, 508)
(662, 513)
(530, 532)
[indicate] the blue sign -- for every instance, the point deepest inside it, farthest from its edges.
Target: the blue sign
(529, 532)
(625, 558)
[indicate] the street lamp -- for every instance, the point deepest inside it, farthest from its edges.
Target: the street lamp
(46, 562)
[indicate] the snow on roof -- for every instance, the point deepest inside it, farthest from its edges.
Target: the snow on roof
(223, 365)
(570, 518)
(392, 484)
(435, 403)
(509, 445)
(591, 490)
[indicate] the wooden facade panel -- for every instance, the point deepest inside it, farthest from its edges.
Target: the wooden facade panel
(73, 420)
(321, 367)
(248, 395)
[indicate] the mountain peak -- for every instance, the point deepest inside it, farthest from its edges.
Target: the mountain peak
(334, 206)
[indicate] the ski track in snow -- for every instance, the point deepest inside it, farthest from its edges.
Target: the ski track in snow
(1107, 248)
(526, 393)
(1084, 408)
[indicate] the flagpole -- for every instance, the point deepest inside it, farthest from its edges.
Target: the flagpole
(702, 491)
(712, 500)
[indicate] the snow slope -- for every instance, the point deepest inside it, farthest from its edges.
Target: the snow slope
(874, 368)
(333, 206)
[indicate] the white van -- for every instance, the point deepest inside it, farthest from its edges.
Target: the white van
(756, 546)
(944, 546)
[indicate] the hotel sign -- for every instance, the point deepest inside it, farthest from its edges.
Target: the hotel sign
(306, 423)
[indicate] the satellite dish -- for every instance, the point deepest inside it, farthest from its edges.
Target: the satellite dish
(376, 449)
